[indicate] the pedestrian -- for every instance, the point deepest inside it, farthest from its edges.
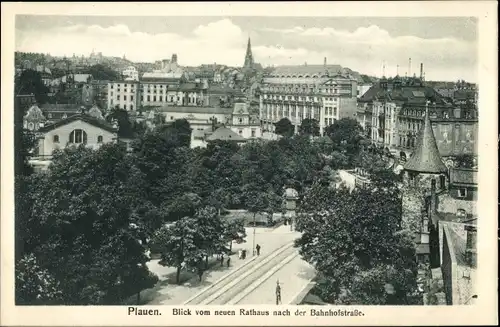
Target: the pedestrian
(240, 254)
(278, 292)
(222, 260)
(258, 249)
(244, 254)
(228, 261)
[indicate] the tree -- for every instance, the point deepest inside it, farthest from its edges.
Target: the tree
(234, 230)
(30, 82)
(177, 244)
(465, 161)
(184, 130)
(309, 127)
(103, 73)
(87, 233)
(125, 128)
(284, 127)
(35, 285)
(346, 135)
(349, 236)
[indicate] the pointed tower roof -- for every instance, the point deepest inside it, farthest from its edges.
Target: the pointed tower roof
(248, 56)
(426, 158)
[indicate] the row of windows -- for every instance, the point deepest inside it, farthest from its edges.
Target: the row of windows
(329, 121)
(329, 111)
(77, 136)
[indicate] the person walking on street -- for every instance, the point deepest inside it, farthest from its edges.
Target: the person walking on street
(222, 260)
(228, 261)
(240, 254)
(258, 249)
(278, 292)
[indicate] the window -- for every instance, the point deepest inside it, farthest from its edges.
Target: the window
(99, 139)
(149, 99)
(462, 192)
(131, 107)
(78, 136)
(253, 132)
(118, 97)
(125, 98)
(171, 117)
(326, 121)
(131, 98)
(111, 86)
(240, 131)
(56, 138)
(154, 98)
(161, 98)
(240, 120)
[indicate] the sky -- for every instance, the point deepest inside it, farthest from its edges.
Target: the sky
(447, 46)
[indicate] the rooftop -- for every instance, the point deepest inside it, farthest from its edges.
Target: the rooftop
(225, 134)
(425, 157)
(83, 117)
(462, 176)
(196, 110)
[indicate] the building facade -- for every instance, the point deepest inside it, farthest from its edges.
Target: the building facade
(302, 92)
(131, 74)
(157, 90)
(392, 113)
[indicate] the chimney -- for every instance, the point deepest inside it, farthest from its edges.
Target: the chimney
(421, 70)
(470, 247)
(324, 62)
(409, 67)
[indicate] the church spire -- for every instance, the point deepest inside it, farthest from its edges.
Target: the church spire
(426, 158)
(248, 56)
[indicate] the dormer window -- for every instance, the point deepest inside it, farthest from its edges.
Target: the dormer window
(99, 139)
(56, 139)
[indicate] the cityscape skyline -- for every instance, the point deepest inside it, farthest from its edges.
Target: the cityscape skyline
(275, 41)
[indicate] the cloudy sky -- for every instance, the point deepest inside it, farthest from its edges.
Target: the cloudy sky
(446, 46)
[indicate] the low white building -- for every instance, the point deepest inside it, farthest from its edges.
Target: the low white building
(131, 74)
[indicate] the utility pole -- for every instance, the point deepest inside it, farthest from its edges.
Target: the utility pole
(254, 223)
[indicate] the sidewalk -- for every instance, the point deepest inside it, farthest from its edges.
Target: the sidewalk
(293, 277)
(168, 293)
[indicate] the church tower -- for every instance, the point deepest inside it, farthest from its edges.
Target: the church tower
(248, 57)
(421, 172)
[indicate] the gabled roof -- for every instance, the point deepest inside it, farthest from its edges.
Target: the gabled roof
(225, 134)
(426, 158)
(95, 112)
(34, 114)
(83, 117)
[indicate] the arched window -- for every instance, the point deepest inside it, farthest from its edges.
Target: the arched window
(56, 139)
(78, 136)
(99, 139)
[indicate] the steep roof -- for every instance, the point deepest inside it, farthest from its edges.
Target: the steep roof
(95, 112)
(426, 158)
(83, 117)
(34, 114)
(225, 134)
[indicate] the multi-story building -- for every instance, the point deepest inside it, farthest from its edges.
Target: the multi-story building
(394, 110)
(131, 74)
(318, 92)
